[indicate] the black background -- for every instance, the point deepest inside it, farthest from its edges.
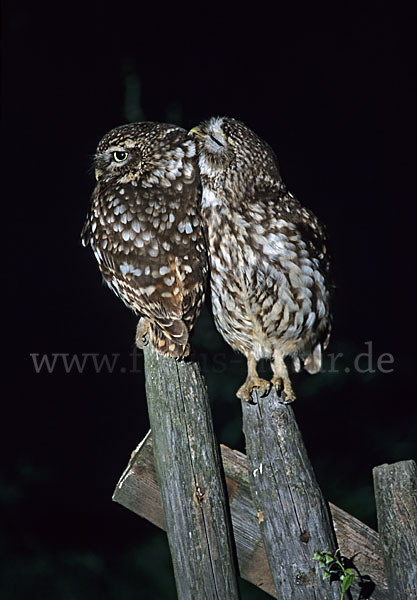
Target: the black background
(331, 88)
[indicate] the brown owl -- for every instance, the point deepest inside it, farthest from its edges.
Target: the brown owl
(145, 230)
(268, 257)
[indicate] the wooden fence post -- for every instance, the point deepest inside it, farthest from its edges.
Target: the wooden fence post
(396, 503)
(189, 471)
(293, 515)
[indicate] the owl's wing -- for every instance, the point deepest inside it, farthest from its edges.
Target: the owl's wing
(314, 233)
(287, 223)
(296, 265)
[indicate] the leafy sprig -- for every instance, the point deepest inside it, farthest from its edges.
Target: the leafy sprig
(337, 567)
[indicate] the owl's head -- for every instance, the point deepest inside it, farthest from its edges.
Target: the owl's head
(144, 154)
(229, 149)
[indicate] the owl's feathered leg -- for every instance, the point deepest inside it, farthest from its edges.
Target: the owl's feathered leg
(141, 331)
(281, 380)
(252, 381)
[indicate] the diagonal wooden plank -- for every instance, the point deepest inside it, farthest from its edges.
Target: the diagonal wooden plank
(138, 490)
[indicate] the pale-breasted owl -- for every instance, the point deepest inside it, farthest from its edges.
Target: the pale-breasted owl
(145, 229)
(270, 283)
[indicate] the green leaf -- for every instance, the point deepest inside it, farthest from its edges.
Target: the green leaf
(347, 579)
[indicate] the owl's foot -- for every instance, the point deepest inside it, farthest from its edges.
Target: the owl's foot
(245, 391)
(283, 385)
(253, 381)
(141, 331)
(281, 380)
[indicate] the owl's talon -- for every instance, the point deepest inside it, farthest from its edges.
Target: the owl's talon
(284, 388)
(278, 384)
(245, 391)
(141, 339)
(141, 343)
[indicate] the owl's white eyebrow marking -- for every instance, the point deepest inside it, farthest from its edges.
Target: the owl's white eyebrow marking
(122, 146)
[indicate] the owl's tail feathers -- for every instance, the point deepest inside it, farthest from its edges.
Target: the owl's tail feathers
(312, 363)
(170, 337)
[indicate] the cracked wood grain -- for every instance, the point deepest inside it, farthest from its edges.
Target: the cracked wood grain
(396, 502)
(189, 472)
(295, 519)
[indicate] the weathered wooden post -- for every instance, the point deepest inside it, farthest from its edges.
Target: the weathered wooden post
(292, 513)
(188, 467)
(396, 503)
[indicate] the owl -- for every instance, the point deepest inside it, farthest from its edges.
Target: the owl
(269, 264)
(146, 232)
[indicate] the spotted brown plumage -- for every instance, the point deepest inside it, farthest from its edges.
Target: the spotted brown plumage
(269, 264)
(145, 230)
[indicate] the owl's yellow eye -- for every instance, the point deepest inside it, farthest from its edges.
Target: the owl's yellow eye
(120, 156)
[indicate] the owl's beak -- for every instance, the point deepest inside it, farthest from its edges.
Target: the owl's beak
(197, 132)
(98, 173)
